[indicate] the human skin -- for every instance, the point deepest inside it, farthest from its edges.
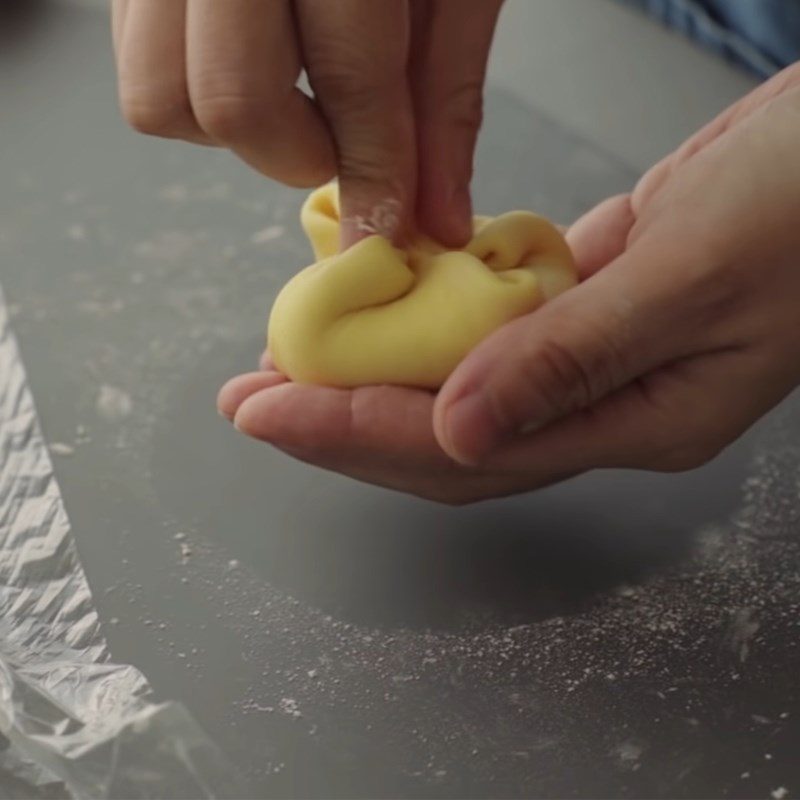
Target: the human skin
(397, 100)
(684, 331)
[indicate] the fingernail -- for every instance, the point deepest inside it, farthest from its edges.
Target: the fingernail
(472, 429)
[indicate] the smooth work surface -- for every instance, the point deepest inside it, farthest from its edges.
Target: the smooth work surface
(620, 635)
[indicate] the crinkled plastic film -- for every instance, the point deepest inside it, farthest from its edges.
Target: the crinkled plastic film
(75, 723)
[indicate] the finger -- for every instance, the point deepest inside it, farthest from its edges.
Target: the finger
(601, 235)
(151, 66)
(356, 54)
(392, 421)
(670, 420)
(243, 64)
(377, 435)
(621, 323)
(119, 11)
(450, 51)
(238, 389)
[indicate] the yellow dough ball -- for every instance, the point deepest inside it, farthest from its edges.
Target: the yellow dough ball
(375, 314)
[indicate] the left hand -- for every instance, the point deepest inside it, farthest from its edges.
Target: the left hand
(684, 331)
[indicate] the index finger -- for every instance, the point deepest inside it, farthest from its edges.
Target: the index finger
(356, 55)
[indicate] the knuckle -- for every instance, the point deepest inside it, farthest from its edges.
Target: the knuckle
(353, 88)
(717, 281)
(565, 374)
(678, 444)
(562, 379)
(721, 290)
(365, 171)
(228, 120)
(155, 115)
(227, 117)
(345, 92)
(462, 107)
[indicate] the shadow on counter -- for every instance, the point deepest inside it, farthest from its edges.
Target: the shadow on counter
(378, 558)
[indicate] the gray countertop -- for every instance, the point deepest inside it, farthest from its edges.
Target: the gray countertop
(621, 635)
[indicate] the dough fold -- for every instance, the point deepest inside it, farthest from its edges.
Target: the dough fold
(375, 314)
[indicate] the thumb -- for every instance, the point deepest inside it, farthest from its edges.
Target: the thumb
(565, 356)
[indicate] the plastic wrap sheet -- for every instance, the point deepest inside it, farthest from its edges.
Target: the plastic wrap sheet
(74, 722)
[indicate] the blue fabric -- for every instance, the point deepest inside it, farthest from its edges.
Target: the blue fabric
(761, 35)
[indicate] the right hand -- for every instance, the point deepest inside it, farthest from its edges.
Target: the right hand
(396, 110)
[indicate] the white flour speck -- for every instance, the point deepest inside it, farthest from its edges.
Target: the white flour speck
(113, 404)
(169, 246)
(267, 234)
(174, 193)
(288, 705)
(628, 754)
(743, 628)
(77, 233)
(383, 219)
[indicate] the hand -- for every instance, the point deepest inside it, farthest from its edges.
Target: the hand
(683, 332)
(397, 95)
